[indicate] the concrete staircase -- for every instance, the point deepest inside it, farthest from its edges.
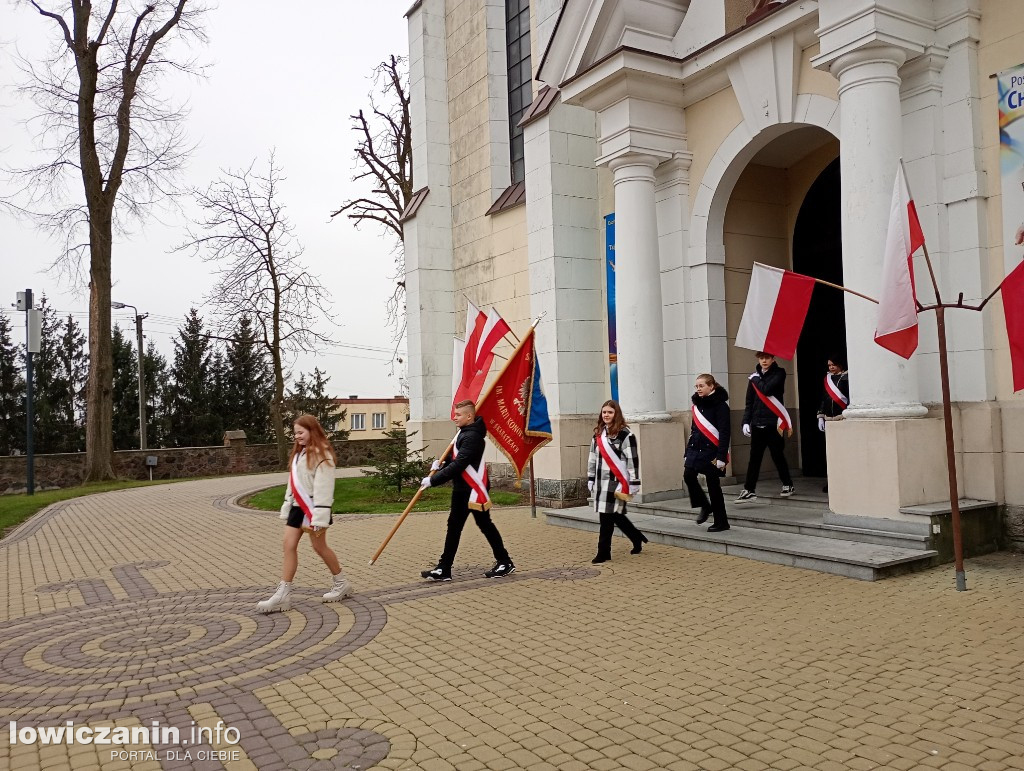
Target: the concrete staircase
(799, 531)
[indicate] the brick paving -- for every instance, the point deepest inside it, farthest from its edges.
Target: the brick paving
(126, 608)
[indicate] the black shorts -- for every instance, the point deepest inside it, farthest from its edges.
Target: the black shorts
(295, 518)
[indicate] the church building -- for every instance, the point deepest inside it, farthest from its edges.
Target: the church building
(619, 165)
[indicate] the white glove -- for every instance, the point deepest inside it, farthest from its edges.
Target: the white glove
(321, 517)
(720, 464)
(752, 375)
(746, 429)
(821, 423)
(435, 465)
(286, 509)
(634, 489)
(425, 483)
(590, 485)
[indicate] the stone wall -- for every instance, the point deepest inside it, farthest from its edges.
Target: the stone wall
(67, 469)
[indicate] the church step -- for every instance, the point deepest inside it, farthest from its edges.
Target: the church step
(790, 519)
(854, 559)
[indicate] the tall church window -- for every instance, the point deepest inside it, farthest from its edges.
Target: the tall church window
(520, 79)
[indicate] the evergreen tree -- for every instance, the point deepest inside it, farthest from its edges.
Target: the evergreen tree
(12, 391)
(157, 394)
(189, 404)
(218, 395)
(48, 391)
(69, 386)
(310, 397)
(249, 385)
(397, 464)
(296, 402)
(125, 422)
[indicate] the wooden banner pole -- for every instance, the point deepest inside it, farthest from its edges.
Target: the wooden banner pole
(405, 513)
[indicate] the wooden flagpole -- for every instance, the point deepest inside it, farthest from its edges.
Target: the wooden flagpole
(405, 513)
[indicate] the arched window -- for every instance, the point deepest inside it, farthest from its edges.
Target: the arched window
(520, 79)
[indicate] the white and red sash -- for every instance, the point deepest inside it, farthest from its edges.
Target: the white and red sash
(616, 463)
(707, 428)
(785, 423)
(302, 497)
(476, 478)
(841, 400)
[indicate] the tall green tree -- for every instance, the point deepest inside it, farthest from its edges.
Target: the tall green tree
(125, 422)
(70, 380)
(157, 395)
(191, 419)
(249, 384)
(12, 391)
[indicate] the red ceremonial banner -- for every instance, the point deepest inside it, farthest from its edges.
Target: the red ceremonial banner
(506, 407)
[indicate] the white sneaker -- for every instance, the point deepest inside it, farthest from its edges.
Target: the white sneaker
(340, 589)
(281, 599)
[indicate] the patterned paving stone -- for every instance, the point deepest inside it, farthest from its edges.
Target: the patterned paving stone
(129, 609)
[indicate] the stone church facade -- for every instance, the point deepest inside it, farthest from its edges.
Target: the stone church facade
(712, 134)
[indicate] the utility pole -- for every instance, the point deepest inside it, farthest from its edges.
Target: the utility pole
(33, 336)
(142, 375)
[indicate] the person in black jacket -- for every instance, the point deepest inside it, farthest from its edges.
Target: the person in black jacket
(833, 404)
(762, 425)
(467, 457)
(707, 451)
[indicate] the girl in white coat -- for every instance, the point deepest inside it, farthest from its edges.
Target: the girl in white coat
(308, 498)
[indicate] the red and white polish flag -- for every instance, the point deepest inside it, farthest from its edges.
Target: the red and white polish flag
(1013, 310)
(777, 303)
(896, 329)
(472, 358)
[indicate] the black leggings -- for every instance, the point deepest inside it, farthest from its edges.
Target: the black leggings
(698, 498)
(608, 523)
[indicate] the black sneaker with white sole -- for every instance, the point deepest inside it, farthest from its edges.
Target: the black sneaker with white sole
(500, 570)
(746, 496)
(787, 490)
(437, 574)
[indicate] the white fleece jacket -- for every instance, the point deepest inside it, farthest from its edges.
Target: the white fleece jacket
(320, 480)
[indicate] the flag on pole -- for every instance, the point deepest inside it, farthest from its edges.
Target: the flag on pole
(777, 303)
(1013, 309)
(515, 410)
(472, 359)
(896, 328)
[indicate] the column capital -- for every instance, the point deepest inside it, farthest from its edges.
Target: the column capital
(873, 64)
(620, 163)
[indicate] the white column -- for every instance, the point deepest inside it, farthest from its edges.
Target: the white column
(882, 384)
(638, 313)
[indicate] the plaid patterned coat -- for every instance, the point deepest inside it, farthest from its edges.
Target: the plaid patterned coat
(604, 479)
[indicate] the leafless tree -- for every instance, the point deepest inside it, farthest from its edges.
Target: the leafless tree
(383, 158)
(103, 120)
(244, 231)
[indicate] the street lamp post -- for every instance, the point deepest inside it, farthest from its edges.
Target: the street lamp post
(142, 380)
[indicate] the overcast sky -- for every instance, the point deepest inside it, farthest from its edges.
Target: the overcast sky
(281, 75)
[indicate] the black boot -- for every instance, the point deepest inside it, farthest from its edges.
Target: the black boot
(600, 558)
(705, 514)
(638, 543)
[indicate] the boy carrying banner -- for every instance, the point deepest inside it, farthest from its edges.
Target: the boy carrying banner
(467, 472)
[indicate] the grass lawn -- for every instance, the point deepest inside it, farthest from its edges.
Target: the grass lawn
(15, 509)
(363, 495)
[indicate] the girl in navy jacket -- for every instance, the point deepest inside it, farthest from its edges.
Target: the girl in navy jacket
(707, 451)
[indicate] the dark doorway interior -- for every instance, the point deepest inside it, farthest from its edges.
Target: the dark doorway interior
(818, 252)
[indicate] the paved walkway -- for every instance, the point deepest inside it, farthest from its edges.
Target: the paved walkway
(129, 609)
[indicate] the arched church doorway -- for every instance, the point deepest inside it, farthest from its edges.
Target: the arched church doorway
(817, 252)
